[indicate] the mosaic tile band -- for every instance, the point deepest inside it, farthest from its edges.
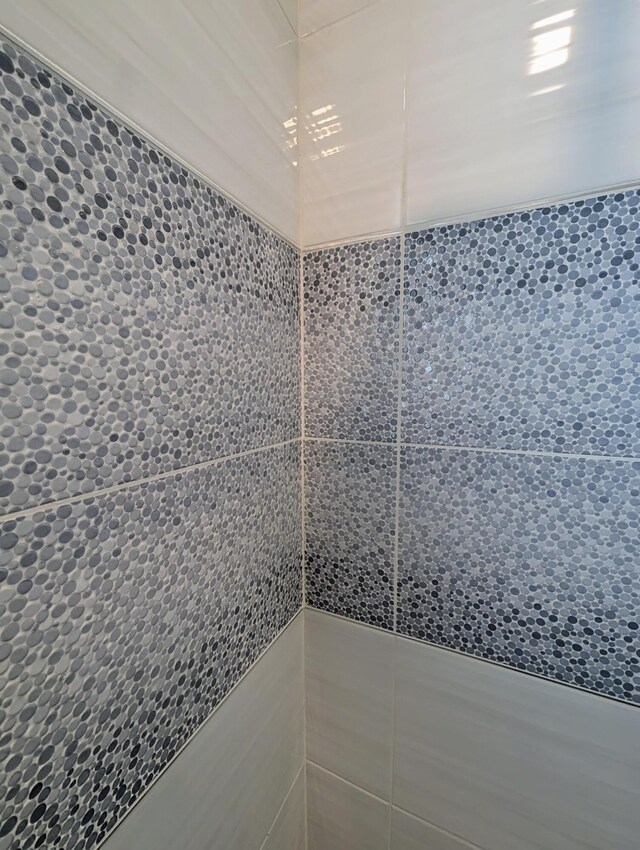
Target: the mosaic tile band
(521, 334)
(146, 325)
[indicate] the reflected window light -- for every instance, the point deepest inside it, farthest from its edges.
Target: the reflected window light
(554, 19)
(549, 49)
(322, 109)
(548, 89)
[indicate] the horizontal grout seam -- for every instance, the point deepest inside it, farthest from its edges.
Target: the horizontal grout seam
(479, 449)
(631, 706)
(473, 215)
(160, 476)
(458, 838)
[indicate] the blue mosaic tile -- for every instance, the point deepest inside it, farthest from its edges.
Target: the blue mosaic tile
(521, 331)
(529, 561)
(350, 493)
(351, 321)
(147, 323)
(125, 618)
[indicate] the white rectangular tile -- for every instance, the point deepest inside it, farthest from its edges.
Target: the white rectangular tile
(410, 833)
(343, 817)
(289, 828)
(512, 762)
(351, 134)
(507, 104)
(349, 699)
(315, 14)
(215, 82)
(226, 787)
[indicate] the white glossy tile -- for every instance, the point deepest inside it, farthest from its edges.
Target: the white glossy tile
(315, 14)
(288, 830)
(226, 788)
(409, 833)
(511, 762)
(508, 103)
(343, 817)
(215, 82)
(349, 700)
(351, 94)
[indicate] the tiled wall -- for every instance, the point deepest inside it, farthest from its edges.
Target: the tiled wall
(412, 747)
(414, 112)
(149, 391)
(472, 456)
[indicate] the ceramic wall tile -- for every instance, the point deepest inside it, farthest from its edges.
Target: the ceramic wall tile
(257, 735)
(340, 815)
(521, 330)
(410, 833)
(510, 102)
(349, 530)
(288, 831)
(315, 14)
(148, 324)
(351, 321)
(530, 561)
(125, 619)
(215, 82)
(511, 762)
(351, 133)
(349, 700)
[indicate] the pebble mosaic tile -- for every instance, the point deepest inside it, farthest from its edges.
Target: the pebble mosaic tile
(521, 331)
(351, 321)
(125, 618)
(146, 322)
(529, 561)
(350, 493)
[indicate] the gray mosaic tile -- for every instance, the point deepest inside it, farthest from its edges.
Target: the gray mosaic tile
(351, 321)
(350, 493)
(125, 618)
(529, 561)
(521, 331)
(147, 323)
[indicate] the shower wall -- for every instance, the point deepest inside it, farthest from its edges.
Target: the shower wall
(149, 387)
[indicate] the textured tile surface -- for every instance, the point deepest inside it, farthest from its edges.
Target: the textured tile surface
(530, 561)
(409, 833)
(512, 762)
(351, 303)
(349, 530)
(521, 331)
(125, 619)
(225, 789)
(156, 63)
(349, 700)
(147, 323)
(340, 815)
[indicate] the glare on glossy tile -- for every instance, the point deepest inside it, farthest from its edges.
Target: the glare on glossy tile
(215, 82)
(509, 761)
(508, 103)
(341, 816)
(349, 700)
(351, 90)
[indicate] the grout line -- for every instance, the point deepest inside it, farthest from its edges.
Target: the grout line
(477, 215)
(632, 706)
(160, 476)
(341, 20)
(130, 124)
(196, 731)
(479, 449)
(282, 805)
(460, 839)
